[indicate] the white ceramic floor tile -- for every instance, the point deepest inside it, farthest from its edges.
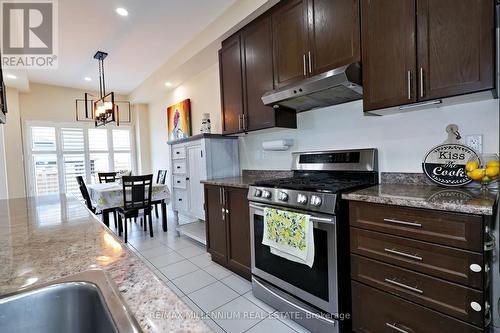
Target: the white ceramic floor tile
(176, 290)
(191, 251)
(145, 244)
(271, 325)
(155, 251)
(194, 281)
(178, 243)
(238, 315)
(237, 283)
(213, 296)
(217, 271)
(166, 259)
(202, 260)
(178, 269)
(249, 295)
(199, 312)
(213, 325)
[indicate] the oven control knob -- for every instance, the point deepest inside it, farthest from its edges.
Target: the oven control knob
(257, 193)
(283, 196)
(302, 199)
(316, 201)
(266, 194)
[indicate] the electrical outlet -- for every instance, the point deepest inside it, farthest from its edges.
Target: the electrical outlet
(475, 142)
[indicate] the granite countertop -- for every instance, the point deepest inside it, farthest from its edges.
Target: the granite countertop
(202, 136)
(461, 200)
(47, 238)
(249, 177)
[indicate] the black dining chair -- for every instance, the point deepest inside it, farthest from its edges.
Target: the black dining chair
(107, 177)
(161, 178)
(85, 193)
(137, 192)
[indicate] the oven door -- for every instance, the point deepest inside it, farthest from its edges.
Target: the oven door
(316, 285)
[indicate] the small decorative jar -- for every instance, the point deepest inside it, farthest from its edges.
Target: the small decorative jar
(206, 126)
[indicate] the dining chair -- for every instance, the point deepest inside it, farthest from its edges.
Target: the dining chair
(137, 192)
(161, 178)
(85, 193)
(107, 177)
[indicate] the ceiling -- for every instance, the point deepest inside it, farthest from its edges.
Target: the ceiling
(137, 44)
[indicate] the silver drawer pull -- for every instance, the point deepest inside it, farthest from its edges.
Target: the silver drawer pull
(397, 329)
(403, 254)
(410, 224)
(402, 285)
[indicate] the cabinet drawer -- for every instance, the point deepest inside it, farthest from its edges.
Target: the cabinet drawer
(178, 153)
(452, 229)
(374, 311)
(180, 200)
(447, 297)
(179, 182)
(441, 261)
(179, 167)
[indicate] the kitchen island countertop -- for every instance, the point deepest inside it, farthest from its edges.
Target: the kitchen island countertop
(47, 238)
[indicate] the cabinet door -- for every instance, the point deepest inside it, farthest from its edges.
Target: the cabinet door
(290, 42)
(238, 231)
(334, 36)
(455, 47)
(257, 51)
(388, 53)
(231, 82)
(196, 173)
(215, 223)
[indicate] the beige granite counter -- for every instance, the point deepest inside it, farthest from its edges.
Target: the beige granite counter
(462, 200)
(248, 178)
(46, 238)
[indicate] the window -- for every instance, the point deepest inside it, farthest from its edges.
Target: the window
(57, 154)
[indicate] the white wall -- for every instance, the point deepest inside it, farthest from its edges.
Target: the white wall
(402, 139)
(203, 90)
(3, 168)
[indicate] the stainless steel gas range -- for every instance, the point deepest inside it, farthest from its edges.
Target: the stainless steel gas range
(317, 297)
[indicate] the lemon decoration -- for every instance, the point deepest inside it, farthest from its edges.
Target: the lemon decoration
(476, 174)
(492, 171)
(492, 164)
(471, 165)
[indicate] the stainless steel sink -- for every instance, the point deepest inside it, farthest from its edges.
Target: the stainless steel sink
(85, 302)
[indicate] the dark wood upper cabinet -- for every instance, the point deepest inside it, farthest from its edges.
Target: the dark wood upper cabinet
(334, 36)
(257, 50)
(238, 230)
(417, 50)
(455, 47)
(231, 81)
(290, 26)
(388, 53)
(216, 226)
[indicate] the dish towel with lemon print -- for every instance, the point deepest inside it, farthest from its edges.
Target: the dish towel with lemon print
(289, 235)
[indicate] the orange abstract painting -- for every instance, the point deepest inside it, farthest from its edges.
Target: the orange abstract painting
(179, 120)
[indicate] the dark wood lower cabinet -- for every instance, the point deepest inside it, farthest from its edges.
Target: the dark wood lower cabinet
(228, 227)
(418, 270)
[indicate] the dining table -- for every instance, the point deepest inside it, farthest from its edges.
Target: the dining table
(106, 197)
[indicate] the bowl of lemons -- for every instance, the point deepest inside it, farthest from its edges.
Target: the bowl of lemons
(483, 170)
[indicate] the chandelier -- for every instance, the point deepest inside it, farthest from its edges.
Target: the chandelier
(102, 109)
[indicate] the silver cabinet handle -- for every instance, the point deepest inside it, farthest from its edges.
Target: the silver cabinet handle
(244, 120)
(239, 122)
(310, 62)
(409, 84)
(220, 195)
(304, 61)
(397, 329)
(410, 224)
(403, 254)
(223, 214)
(402, 285)
(421, 82)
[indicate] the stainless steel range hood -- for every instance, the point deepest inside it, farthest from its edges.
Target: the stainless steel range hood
(336, 86)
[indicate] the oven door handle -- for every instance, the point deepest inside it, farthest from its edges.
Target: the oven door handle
(311, 218)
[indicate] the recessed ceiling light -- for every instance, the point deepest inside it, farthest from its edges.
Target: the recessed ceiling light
(11, 76)
(121, 11)
(168, 84)
(87, 78)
